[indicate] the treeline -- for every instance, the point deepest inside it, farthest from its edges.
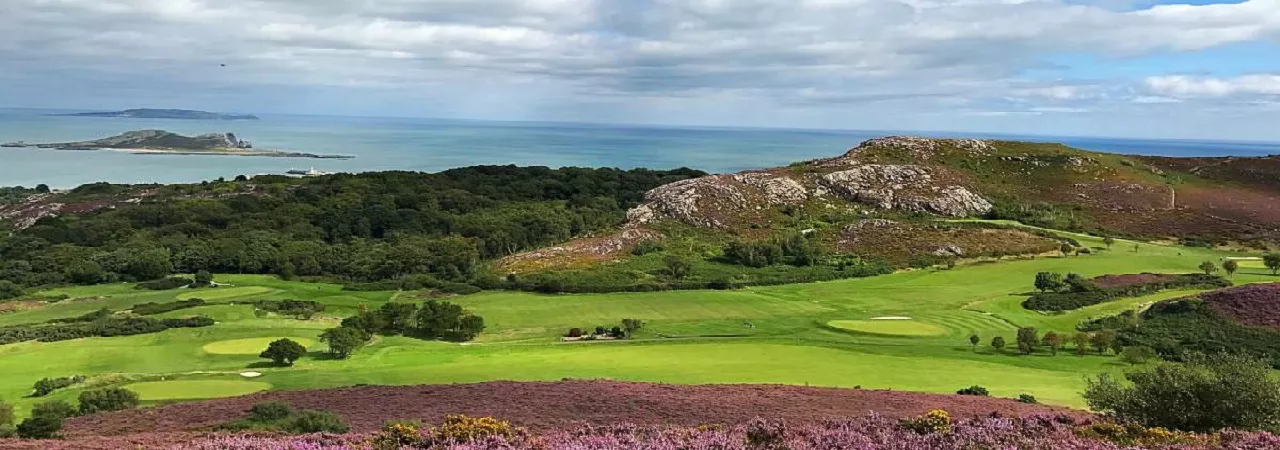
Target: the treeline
(105, 327)
(153, 308)
(1177, 329)
(364, 227)
(1060, 293)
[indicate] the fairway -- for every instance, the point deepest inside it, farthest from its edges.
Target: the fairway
(194, 389)
(894, 327)
(250, 346)
(904, 331)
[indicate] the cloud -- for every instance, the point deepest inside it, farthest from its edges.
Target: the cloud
(821, 55)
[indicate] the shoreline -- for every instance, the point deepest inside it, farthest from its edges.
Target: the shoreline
(212, 152)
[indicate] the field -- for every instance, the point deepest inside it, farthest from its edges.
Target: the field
(820, 334)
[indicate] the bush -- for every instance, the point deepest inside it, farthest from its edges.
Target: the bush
(459, 428)
(398, 434)
(110, 399)
(53, 408)
(6, 414)
(1205, 394)
(265, 412)
(343, 341)
(46, 386)
(1028, 399)
(316, 422)
(302, 309)
(935, 421)
(283, 352)
(9, 290)
(574, 333)
(974, 390)
(647, 246)
(39, 428)
(165, 284)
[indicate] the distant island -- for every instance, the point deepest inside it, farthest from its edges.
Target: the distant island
(164, 142)
(165, 114)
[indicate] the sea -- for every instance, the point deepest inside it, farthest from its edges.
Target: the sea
(430, 145)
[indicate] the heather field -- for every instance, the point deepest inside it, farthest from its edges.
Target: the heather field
(904, 331)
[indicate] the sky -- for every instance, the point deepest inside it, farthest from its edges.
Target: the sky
(1131, 68)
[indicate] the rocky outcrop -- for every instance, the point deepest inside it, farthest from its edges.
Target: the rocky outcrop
(715, 201)
(906, 188)
(924, 148)
(156, 139)
(778, 190)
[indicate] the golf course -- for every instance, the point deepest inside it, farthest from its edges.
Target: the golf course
(903, 331)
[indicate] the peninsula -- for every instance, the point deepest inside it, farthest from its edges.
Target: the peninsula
(164, 142)
(145, 113)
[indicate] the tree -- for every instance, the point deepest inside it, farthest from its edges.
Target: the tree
(444, 320)
(53, 408)
(676, 267)
(109, 399)
(204, 278)
(1103, 340)
(1028, 339)
(973, 341)
(1230, 266)
(1053, 341)
(1135, 248)
(42, 188)
(631, 326)
(343, 341)
(1137, 354)
(997, 343)
(1048, 281)
(1208, 267)
(283, 352)
(1108, 241)
(1081, 340)
(397, 318)
(9, 290)
(1204, 394)
(36, 427)
(1272, 261)
(1066, 248)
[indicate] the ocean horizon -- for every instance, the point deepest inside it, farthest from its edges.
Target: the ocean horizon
(431, 145)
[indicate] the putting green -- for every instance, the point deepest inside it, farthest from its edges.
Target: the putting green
(889, 327)
(195, 389)
(250, 346)
(224, 292)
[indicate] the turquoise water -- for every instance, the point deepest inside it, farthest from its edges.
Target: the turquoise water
(433, 145)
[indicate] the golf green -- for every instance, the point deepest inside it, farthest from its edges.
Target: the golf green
(894, 327)
(195, 389)
(249, 346)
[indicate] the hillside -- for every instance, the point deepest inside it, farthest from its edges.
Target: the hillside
(890, 198)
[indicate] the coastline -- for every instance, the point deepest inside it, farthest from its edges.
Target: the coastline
(211, 152)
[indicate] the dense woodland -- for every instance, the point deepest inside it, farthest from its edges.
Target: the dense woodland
(365, 227)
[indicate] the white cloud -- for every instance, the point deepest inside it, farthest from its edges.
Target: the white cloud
(1184, 87)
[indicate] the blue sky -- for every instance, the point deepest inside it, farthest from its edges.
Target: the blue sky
(1176, 69)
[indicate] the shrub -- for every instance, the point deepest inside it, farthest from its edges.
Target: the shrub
(39, 427)
(1028, 399)
(599, 331)
(459, 428)
(152, 308)
(6, 414)
(1137, 354)
(302, 309)
(46, 386)
(343, 341)
(974, 390)
(934, 421)
(165, 284)
(53, 408)
(266, 412)
(647, 246)
(398, 434)
(9, 290)
(1204, 394)
(109, 399)
(316, 422)
(765, 434)
(574, 332)
(1129, 434)
(203, 278)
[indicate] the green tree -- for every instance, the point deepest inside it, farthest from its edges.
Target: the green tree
(53, 408)
(343, 341)
(37, 427)
(9, 290)
(631, 326)
(85, 271)
(1208, 267)
(1137, 354)
(1230, 266)
(109, 399)
(1271, 260)
(283, 352)
(397, 318)
(1053, 341)
(998, 344)
(1048, 281)
(1204, 394)
(42, 188)
(204, 278)
(675, 267)
(1066, 248)
(1108, 241)
(1028, 339)
(974, 340)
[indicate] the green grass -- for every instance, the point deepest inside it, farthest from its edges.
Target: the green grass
(149, 391)
(889, 327)
(690, 337)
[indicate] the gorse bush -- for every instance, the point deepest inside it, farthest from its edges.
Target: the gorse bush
(110, 399)
(459, 428)
(934, 421)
